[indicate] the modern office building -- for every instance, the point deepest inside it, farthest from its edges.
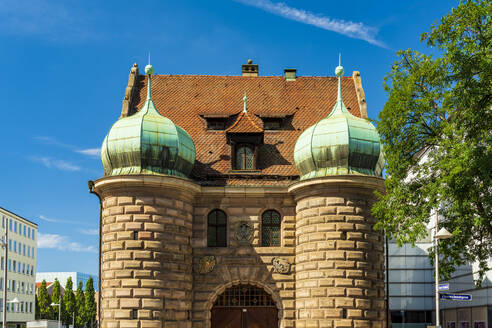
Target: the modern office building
(63, 276)
(412, 291)
(21, 267)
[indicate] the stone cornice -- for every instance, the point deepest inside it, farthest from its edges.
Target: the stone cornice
(156, 184)
(161, 184)
(171, 184)
(341, 183)
(244, 191)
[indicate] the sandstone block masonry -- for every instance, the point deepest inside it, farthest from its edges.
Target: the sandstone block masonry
(146, 259)
(155, 232)
(339, 259)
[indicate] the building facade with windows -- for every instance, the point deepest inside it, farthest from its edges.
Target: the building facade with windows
(63, 276)
(412, 291)
(21, 267)
(241, 201)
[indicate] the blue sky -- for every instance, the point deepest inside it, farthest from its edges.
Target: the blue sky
(65, 67)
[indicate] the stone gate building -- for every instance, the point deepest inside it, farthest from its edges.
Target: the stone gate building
(241, 201)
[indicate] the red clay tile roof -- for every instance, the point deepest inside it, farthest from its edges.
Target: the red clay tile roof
(187, 99)
(38, 284)
(244, 124)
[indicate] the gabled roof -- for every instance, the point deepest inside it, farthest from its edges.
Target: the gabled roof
(244, 124)
(188, 99)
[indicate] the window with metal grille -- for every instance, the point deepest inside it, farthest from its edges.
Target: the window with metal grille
(245, 157)
(217, 229)
(270, 228)
(244, 295)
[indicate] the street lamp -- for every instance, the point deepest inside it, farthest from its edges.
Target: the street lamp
(59, 310)
(442, 234)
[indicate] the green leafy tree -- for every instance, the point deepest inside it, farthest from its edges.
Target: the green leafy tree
(36, 308)
(436, 131)
(90, 303)
(43, 302)
(79, 306)
(56, 299)
(68, 308)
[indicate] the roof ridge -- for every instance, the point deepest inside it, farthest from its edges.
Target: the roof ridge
(247, 77)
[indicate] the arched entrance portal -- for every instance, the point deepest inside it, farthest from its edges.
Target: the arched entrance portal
(244, 306)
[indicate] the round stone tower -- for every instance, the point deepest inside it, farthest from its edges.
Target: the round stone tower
(339, 257)
(146, 221)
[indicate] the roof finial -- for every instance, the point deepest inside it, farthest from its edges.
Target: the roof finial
(245, 99)
(149, 70)
(339, 73)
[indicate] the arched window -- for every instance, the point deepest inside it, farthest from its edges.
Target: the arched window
(244, 295)
(217, 229)
(270, 228)
(245, 158)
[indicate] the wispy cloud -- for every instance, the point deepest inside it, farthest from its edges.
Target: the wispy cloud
(55, 220)
(56, 163)
(91, 232)
(62, 243)
(348, 28)
(96, 152)
(53, 142)
(91, 152)
(44, 218)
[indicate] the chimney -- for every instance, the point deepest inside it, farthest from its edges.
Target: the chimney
(290, 74)
(250, 69)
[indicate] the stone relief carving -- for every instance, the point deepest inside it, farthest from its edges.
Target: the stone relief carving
(281, 265)
(207, 264)
(244, 232)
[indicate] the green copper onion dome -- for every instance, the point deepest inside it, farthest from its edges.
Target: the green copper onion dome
(147, 143)
(339, 144)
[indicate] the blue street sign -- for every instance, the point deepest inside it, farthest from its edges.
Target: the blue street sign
(456, 297)
(443, 286)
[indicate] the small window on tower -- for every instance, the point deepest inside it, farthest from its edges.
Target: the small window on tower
(134, 314)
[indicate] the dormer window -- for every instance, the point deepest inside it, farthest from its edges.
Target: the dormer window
(216, 123)
(244, 136)
(245, 157)
(272, 123)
